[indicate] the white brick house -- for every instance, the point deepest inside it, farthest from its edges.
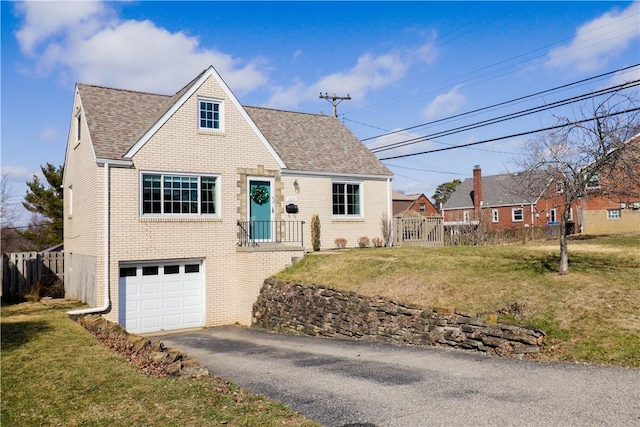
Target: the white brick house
(176, 206)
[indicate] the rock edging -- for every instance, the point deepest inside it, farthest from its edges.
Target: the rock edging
(150, 356)
(322, 311)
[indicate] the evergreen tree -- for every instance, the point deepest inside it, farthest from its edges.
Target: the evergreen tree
(46, 203)
(444, 191)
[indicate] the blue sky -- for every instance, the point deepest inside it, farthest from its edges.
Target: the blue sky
(403, 64)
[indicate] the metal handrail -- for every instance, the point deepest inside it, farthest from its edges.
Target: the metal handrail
(251, 233)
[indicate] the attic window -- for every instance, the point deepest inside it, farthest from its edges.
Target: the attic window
(210, 114)
(78, 127)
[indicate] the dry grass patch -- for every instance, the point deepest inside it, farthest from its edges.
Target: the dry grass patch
(55, 373)
(595, 307)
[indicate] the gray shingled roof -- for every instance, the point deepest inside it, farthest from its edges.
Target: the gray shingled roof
(315, 142)
(501, 190)
(117, 119)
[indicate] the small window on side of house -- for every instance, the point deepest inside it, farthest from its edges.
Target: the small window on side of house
(423, 208)
(494, 216)
(517, 214)
(614, 214)
(593, 182)
(466, 217)
(78, 127)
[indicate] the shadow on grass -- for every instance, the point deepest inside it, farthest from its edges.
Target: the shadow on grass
(16, 334)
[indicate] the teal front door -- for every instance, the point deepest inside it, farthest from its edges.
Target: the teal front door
(260, 210)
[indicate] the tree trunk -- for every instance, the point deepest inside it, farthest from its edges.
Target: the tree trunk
(564, 250)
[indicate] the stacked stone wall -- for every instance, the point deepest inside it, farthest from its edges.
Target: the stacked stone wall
(321, 311)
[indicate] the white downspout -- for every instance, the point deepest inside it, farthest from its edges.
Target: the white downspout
(107, 301)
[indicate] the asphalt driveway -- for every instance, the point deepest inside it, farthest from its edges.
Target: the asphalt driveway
(338, 382)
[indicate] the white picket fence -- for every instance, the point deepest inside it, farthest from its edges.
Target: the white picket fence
(22, 269)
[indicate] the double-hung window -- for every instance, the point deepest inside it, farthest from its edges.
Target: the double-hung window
(593, 181)
(169, 194)
(494, 216)
(346, 198)
(210, 114)
(517, 214)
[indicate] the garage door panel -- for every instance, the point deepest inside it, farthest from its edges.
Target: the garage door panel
(162, 301)
(172, 303)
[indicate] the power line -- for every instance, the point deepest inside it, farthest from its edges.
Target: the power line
(507, 136)
(504, 102)
(506, 117)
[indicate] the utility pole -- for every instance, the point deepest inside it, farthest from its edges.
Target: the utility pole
(335, 100)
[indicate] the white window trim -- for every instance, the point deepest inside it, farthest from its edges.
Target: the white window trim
(495, 216)
(553, 215)
(570, 214)
(618, 214)
(346, 215)
(593, 183)
(513, 215)
(222, 115)
(466, 217)
(185, 174)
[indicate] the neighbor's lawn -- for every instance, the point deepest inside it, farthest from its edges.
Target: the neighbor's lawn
(55, 373)
(590, 315)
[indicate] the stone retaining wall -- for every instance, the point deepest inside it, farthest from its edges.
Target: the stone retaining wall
(321, 311)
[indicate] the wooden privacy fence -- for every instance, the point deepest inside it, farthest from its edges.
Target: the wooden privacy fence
(418, 231)
(21, 270)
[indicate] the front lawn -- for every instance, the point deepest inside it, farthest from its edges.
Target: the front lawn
(591, 315)
(54, 373)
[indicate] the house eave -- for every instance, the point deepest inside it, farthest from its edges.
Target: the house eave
(101, 161)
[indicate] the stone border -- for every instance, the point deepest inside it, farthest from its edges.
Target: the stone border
(148, 355)
(322, 311)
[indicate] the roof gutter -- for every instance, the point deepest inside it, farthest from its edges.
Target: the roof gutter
(107, 300)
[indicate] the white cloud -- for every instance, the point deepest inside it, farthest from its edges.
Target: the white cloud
(624, 77)
(598, 40)
(369, 73)
(94, 46)
(445, 104)
(44, 19)
(16, 173)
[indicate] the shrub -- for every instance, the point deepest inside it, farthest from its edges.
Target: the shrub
(385, 227)
(315, 232)
(340, 242)
(377, 242)
(363, 242)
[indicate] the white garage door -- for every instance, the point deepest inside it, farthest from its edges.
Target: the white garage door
(161, 296)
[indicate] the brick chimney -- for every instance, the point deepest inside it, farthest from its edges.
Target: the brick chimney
(477, 189)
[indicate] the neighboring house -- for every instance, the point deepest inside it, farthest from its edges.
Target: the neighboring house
(612, 200)
(518, 200)
(413, 204)
(177, 207)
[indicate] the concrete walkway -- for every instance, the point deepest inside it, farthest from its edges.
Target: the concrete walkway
(340, 383)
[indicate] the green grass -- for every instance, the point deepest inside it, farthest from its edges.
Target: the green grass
(591, 315)
(55, 373)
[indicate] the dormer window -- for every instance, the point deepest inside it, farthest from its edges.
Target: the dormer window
(210, 114)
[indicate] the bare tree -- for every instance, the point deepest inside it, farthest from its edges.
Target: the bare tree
(8, 216)
(597, 154)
